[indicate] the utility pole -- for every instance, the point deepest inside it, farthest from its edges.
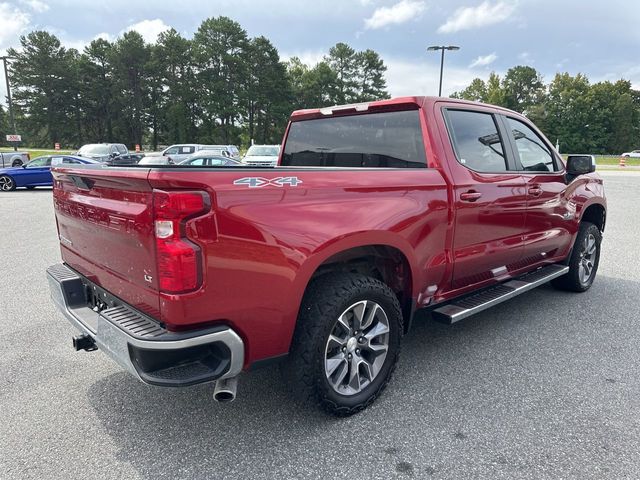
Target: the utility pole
(6, 79)
(442, 48)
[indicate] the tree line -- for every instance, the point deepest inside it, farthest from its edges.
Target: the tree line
(220, 87)
(583, 117)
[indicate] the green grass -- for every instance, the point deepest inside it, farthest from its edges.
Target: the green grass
(37, 152)
(616, 161)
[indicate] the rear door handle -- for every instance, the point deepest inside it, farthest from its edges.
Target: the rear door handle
(470, 196)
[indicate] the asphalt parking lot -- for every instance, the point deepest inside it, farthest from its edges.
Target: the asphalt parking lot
(543, 386)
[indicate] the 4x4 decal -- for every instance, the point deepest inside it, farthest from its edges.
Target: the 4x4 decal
(257, 182)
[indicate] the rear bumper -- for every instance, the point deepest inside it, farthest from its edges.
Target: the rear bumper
(141, 345)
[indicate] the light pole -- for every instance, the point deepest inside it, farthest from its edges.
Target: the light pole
(442, 48)
(6, 79)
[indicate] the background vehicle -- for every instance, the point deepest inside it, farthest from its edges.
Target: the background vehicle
(180, 152)
(262, 155)
(632, 154)
(210, 158)
(102, 152)
(155, 160)
(36, 173)
(14, 159)
(376, 210)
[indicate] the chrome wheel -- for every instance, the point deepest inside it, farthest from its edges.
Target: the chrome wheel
(357, 347)
(6, 183)
(587, 259)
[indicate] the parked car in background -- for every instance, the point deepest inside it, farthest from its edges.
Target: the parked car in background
(36, 173)
(126, 159)
(179, 152)
(632, 154)
(262, 155)
(156, 160)
(210, 158)
(102, 152)
(15, 159)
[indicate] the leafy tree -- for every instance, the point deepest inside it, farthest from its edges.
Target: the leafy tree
(220, 56)
(343, 60)
(476, 91)
(522, 88)
(43, 79)
(129, 57)
(95, 91)
(370, 76)
(177, 103)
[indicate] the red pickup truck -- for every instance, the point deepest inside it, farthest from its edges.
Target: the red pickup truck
(194, 274)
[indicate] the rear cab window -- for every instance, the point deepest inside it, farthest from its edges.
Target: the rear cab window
(383, 140)
(476, 140)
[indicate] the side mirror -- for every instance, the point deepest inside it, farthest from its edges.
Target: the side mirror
(580, 164)
(114, 154)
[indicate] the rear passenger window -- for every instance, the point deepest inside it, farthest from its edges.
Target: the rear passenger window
(534, 154)
(390, 139)
(476, 140)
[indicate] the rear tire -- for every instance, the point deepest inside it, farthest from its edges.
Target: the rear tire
(7, 183)
(346, 343)
(584, 260)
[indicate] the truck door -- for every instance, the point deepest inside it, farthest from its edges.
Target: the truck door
(550, 222)
(489, 199)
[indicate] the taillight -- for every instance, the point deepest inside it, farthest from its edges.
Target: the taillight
(179, 260)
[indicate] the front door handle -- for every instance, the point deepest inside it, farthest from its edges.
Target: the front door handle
(470, 196)
(535, 191)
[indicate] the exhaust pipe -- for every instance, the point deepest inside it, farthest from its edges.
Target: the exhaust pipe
(225, 390)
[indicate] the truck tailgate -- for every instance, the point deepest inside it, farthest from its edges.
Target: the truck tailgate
(105, 222)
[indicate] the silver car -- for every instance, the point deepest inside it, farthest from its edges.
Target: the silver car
(179, 152)
(262, 155)
(210, 158)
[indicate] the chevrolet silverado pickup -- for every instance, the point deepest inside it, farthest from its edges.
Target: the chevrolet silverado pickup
(374, 211)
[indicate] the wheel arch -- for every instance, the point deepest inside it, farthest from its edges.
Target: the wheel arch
(387, 257)
(595, 213)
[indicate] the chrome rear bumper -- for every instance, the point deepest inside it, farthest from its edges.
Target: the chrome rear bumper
(141, 345)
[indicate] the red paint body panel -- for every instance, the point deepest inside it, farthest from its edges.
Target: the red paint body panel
(261, 246)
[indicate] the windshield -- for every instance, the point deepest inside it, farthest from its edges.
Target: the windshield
(94, 149)
(263, 151)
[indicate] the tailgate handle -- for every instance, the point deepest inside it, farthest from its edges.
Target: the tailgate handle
(83, 183)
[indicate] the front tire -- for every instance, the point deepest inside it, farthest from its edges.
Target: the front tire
(346, 343)
(584, 260)
(7, 183)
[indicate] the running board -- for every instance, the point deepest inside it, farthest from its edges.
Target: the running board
(477, 302)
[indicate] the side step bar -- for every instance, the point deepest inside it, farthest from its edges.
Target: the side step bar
(477, 302)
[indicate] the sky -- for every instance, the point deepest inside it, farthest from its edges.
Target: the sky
(599, 39)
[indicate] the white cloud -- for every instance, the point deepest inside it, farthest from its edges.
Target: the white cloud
(526, 57)
(13, 22)
(103, 35)
(149, 29)
(467, 18)
(36, 5)
(406, 78)
(308, 57)
(401, 12)
(484, 60)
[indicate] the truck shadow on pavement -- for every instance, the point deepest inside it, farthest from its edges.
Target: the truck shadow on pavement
(528, 364)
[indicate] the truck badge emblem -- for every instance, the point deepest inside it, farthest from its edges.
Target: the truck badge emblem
(257, 182)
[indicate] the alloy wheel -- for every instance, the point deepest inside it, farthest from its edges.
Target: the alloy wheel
(587, 259)
(357, 347)
(6, 184)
